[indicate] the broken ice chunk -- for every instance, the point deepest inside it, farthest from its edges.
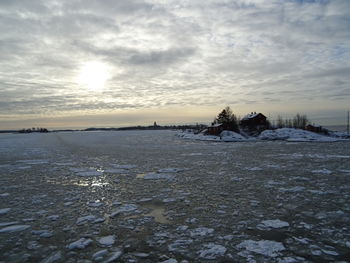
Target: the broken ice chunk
(212, 251)
(275, 223)
(201, 231)
(263, 247)
(85, 219)
(15, 228)
(4, 211)
(106, 241)
(124, 209)
(79, 244)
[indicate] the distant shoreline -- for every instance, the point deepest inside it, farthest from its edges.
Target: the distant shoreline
(340, 128)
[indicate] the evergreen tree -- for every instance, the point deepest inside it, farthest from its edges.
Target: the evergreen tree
(228, 119)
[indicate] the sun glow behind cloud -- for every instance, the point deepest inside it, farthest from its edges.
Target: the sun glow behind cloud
(93, 75)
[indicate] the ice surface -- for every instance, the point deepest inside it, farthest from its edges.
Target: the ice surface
(14, 228)
(264, 247)
(215, 193)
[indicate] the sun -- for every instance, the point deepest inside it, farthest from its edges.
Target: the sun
(93, 75)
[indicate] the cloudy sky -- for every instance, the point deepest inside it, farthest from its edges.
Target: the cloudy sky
(80, 63)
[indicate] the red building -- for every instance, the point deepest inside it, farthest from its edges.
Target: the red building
(254, 120)
(215, 129)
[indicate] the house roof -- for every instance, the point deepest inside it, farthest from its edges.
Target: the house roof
(215, 125)
(250, 116)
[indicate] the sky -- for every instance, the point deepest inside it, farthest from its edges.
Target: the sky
(113, 63)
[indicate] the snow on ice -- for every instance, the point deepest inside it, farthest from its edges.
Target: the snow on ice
(294, 135)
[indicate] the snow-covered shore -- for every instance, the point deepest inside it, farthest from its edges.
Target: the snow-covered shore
(283, 134)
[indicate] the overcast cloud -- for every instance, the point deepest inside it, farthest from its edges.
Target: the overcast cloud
(173, 53)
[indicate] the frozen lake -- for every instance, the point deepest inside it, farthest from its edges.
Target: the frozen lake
(150, 196)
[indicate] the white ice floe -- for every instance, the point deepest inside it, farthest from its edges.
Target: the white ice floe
(99, 255)
(170, 170)
(4, 211)
(54, 257)
(115, 255)
(169, 200)
(291, 260)
(80, 244)
(201, 231)
(157, 176)
(4, 194)
(106, 241)
(8, 223)
(170, 260)
(89, 173)
(96, 203)
(53, 217)
(212, 251)
(34, 162)
(294, 135)
(86, 172)
(115, 171)
(42, 233)
(127, 208)
(85, 219)
(180, 245)
(321, 171)
(14, 228)
(294, 189)
(274, 223)
(125, 166)
(254, 169)
(263, 247)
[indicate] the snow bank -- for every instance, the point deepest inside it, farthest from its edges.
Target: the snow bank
(294, 135)
(230, 136)
(225, 136)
